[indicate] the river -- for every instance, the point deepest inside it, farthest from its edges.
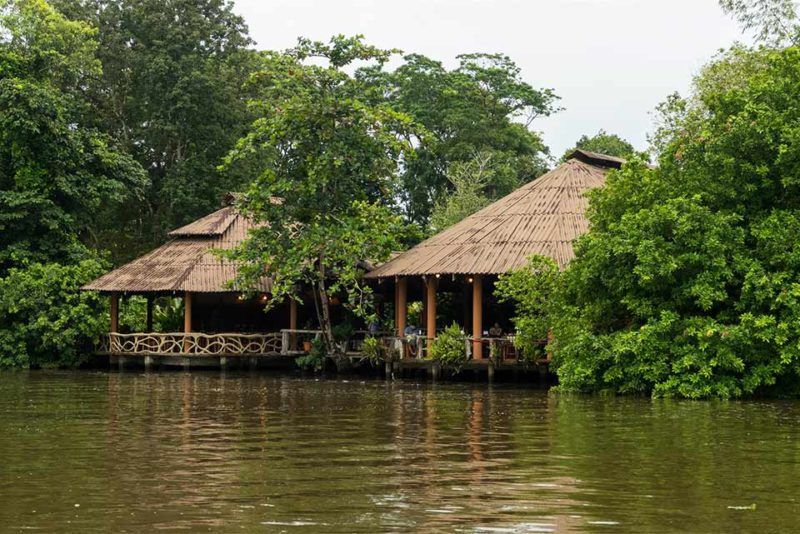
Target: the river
(132, 452)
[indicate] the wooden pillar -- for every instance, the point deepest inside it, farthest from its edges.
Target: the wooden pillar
(396, 314)
(187, 312)
(149, 320)
(114, 309)
(187, 319)
(477, 317)
(292, 324)
(430, 308)
(402, 305)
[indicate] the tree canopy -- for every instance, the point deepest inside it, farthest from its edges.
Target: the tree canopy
(469, 180)
(772, 21)
(603, 143)
(172, 91)
(326, 158)
(58, 171)
(687, 283)
(482, 106)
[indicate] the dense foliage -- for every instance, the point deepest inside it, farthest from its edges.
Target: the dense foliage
(326, 159)
(689, 280)
(171, 90)
(532, 290)
(602, 143)
(470, 180)
(57, 171)
(44, 319)
(450, 347)
(482, 106)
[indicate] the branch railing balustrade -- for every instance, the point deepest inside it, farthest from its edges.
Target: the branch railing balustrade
(191, 344)
(288, 342)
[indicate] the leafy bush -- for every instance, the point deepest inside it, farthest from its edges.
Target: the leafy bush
(45, 319)
(449, 347)
(315, 359)
(531, 289)
(373, 350)
(688, 283)
(133, 314)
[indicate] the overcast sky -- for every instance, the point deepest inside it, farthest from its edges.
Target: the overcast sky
(610, 61)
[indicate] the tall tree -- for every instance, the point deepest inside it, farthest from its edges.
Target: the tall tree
(772, 21)
(603, 143)
(482, 106)
(326, 159)
(687, 283)
(172, 91)
(469, 180)
(58, 172)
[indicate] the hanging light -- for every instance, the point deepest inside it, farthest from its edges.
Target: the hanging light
(438, 275)
(469, 280)
(264, 297)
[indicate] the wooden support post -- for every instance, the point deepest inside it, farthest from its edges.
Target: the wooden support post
(114, 308)
(187, 319)
(292, 324)
(401, 304)
(477, 317)
(430, 308)
(149, 320)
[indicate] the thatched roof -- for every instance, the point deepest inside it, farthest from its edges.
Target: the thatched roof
(541, 217)
(186, 262)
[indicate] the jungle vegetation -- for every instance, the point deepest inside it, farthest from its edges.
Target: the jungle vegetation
(120, 120)
(688, 282)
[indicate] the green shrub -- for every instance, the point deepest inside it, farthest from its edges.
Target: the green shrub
(449, 347)
(531, 289)
(45, 319)
(315, 359)
(373, 350)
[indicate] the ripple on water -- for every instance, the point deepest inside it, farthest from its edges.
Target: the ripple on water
(201, 451)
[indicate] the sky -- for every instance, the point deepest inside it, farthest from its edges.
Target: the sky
(610, 61)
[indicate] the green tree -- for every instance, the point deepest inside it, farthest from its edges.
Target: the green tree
(469, 180)
(482, 106)
(172, 91)
(326, 158)
(603, 143)
(531, 289)
(772, 21)
(58, 173)
(688, 282)
(45, 320)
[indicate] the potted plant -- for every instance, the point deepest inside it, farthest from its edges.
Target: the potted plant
(308, 344)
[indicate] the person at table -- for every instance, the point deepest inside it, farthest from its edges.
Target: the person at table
(496, 331)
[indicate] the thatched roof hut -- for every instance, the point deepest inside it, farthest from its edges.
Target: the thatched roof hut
(187, 262)
(541, 217)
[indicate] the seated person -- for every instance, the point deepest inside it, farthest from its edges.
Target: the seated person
(496, 331)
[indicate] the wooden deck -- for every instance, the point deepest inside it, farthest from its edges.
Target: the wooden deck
(279, 350)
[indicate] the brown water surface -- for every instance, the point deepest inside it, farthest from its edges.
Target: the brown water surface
(110, 452)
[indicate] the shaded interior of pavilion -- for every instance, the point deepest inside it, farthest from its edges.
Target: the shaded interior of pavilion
(417, 308)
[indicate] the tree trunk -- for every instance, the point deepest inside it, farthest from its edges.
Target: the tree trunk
(331, 347)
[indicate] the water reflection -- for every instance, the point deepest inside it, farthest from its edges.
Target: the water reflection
(137, 452)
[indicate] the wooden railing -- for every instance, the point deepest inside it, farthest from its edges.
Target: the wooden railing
(191, 344)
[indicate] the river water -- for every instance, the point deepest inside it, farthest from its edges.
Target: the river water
(131, 452)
